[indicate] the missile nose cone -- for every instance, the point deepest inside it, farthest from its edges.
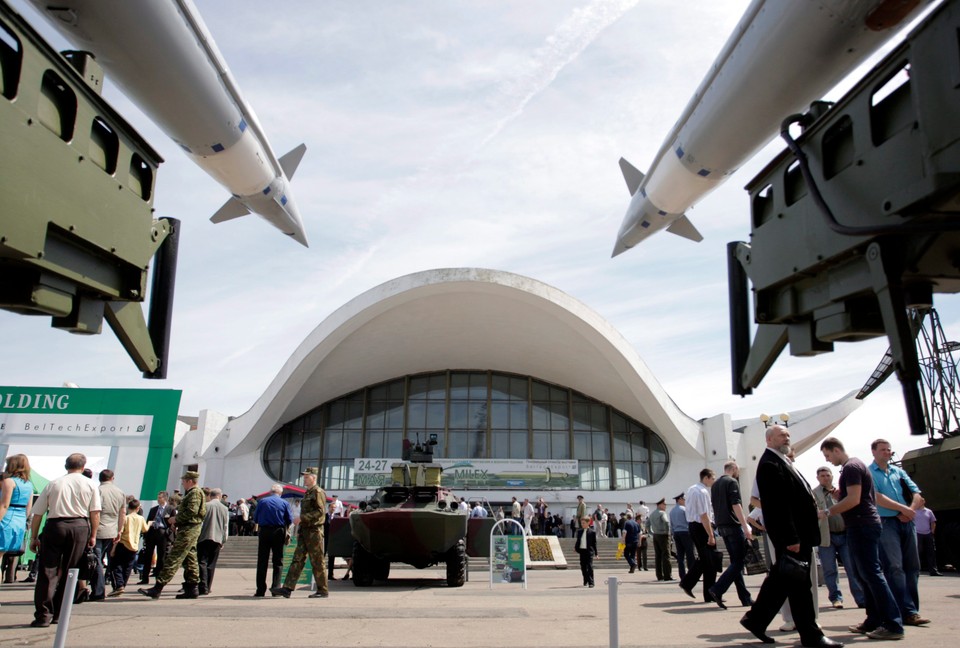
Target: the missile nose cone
(619, 248)
(297, 232)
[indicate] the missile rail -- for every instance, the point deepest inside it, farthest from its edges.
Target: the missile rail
(77, 230)
(857, 220)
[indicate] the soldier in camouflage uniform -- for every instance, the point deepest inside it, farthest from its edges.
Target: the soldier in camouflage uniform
(190, 515)
(313, 513)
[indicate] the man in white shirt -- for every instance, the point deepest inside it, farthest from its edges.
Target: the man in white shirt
(528, 514)
(700, 518)
(337, 506)
(72, 506)
(478, 511)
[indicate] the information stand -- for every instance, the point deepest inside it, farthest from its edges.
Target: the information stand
(508, 554)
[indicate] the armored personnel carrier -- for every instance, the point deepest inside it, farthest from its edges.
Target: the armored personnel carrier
(414, 520)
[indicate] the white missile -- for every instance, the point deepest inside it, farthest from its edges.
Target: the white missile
(164, 59)
(783, 55)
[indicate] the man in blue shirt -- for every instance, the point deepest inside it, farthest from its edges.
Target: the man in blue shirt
(898, 541)
(631, 540)
(681, 534)
(273, 516)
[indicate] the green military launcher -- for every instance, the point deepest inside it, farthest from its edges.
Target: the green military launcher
(77, 229)
(856, 221)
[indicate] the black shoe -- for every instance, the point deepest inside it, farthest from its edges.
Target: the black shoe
(756, 632)
(935, 573)
(153, 592)
(94, 599)
(822, 641)
(711, 595)
(319, 595)
(687, 591)
(259, 594)
(632, 569)
(280, 591)
(81, 596)
(591, 585)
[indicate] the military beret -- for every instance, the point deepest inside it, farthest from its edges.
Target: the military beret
(309, 471)
(191, 474)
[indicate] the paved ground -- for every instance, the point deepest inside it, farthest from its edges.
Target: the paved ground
(554, 611)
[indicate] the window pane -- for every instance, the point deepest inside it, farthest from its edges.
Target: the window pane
(436, 414)
(458, 414)
(478, 386)
(581, 416)
(354, 415)
(459, 385)
(540, 391)
(499, 387)
(499, 415)
(581, 446)
(351, 446)
(417, 415)
(478, 445)
(560, 445)
(541, 416)
(393, 447)
(558, 417)
(418, 388)
(437, 386)
(477, 417)
(518, 415)
(541, 445)
(601, 445)
(457, 444)
(332, 444)
(374, 444)
(272, 451)
(518, 445)
(291, 472)
(273, 470)
(501, 444)
(311, 446)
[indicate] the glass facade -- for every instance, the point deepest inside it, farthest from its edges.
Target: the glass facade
(474, 415)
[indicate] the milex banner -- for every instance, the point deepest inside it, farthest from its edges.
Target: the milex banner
(128, 430)
(480, 473)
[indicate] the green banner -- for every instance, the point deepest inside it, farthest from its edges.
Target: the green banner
(126, 419)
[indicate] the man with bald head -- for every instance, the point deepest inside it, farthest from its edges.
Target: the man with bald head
(790, 517)
(72, 506)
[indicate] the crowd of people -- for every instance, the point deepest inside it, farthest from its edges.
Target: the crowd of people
(874, 523)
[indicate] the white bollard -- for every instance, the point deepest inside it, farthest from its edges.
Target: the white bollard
(65, 608)
(614, 613)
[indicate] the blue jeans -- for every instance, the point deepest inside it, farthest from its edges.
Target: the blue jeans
(828, 558)
(736, 543)
(864, 549)
(901, 563)
(97, 584)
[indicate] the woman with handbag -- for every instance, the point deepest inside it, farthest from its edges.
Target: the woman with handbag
(16, 497)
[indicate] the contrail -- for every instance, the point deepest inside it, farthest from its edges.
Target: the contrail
(560, 49)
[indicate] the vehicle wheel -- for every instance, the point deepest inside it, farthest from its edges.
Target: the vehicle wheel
(362, 566)
(457, 564)
(381, 569)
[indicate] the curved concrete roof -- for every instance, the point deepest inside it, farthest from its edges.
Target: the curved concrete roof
(464, 318)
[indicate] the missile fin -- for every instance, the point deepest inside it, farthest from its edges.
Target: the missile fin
(291, 160)
(632, 175)
(231, 209)
(683, 227)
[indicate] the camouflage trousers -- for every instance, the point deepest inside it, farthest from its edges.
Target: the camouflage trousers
(309, 543)
(183, 551)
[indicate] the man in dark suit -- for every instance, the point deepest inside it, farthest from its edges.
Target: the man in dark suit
(790, 516)
(585, 542)
(155, 538)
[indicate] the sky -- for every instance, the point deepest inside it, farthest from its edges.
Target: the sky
(458, 134)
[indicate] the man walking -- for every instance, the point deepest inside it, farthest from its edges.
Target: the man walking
(274, 517)
(898, 498)
(864, 530)
(155, 539)
(681, 535)
(926, 523)
(114, 505)
(190, 514)
(699, 512)
(631, 540)
(313, 513)
(790, 517)
(72, 505)
(735, 530)
(833, 541)
(213, 533)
